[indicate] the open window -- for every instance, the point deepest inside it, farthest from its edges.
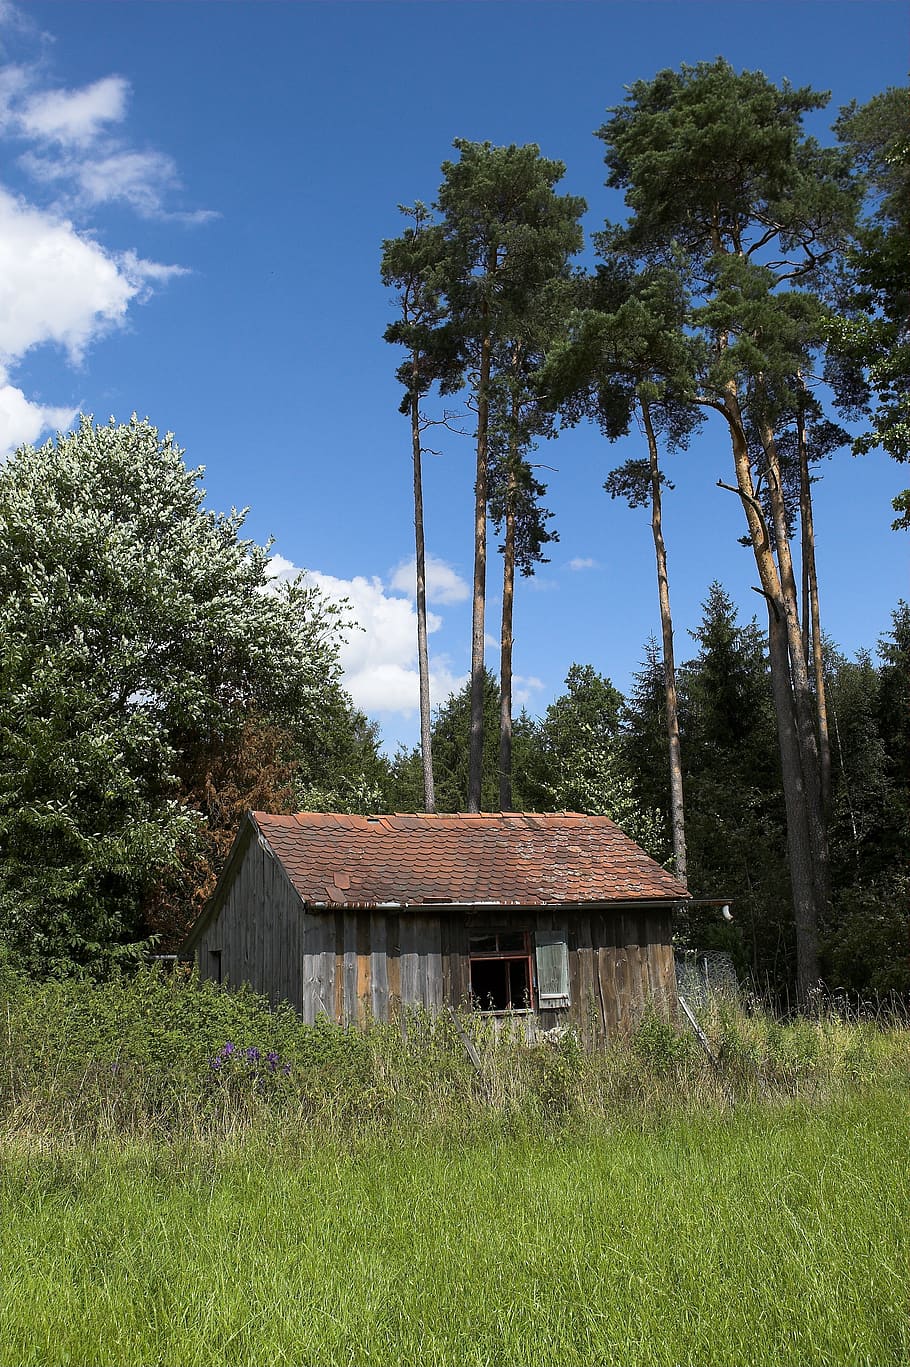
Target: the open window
(552, 953)
(501, 977)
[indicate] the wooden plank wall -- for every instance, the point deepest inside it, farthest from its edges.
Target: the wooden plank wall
(362, 964)
(359, 964)
(258, 932)
(619, 963)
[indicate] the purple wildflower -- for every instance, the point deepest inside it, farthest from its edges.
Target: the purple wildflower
(215, 1064)
(252, 1054)
(227, 1049)
(272, 1059)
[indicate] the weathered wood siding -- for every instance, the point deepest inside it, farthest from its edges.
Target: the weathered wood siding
(358, 964)
(256, 937)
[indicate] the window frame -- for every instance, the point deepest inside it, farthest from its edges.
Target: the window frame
(526, 955)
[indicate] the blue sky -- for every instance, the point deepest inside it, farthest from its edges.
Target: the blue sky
(192, 204)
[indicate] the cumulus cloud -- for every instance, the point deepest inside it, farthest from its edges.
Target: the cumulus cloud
(444, 583)
(379, 658)
(58, 285)
(22, 421)
(74, 117)
(55, 285)
(75, 142)
(582, 562)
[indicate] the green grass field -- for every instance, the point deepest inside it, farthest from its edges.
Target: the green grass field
(774, 1235)
(187, 1177)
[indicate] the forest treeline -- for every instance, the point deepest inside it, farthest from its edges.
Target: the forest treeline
(596, 751)
(156, 681)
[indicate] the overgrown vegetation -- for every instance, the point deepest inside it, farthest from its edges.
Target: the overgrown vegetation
(152, 1055)
(188, 1177)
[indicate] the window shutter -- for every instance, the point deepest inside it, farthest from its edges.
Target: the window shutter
(552, 970)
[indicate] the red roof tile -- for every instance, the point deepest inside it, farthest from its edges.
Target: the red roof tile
(494, 858)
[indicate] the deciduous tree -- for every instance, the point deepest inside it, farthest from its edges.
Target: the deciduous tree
(141, 644)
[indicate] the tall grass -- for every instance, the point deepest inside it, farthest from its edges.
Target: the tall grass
(759, 1236)
(315, 1194)
(156, 1056)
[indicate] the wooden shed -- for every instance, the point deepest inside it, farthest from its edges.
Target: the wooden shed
(560, 916)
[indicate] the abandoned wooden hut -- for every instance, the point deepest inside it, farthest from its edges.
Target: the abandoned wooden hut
(560, 916)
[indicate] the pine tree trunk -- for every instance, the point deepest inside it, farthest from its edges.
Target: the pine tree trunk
(798, 803)
(666, 626)
(423, 659)
(505, 658)
(475, 762)
(804, 701)
(811, 614)
(799, 845)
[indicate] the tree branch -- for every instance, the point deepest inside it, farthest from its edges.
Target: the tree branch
(747, 498)
(774, 608)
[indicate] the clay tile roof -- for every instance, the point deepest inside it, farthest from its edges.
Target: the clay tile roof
(494, 858)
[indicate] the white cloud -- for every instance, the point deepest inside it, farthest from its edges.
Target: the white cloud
(583, 562)
(22, 421)
(74, 117)
(444, 583)
(76, 145)
(523, 689)
(281, 568)
(13, 81)
(144, 274)
(142, 180)
(379, 660)
(57, 286)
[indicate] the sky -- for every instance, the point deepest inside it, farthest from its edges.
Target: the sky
(193, 199)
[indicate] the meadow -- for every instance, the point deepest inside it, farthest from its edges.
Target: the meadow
(188, 1177)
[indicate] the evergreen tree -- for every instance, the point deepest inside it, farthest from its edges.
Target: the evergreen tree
(727, 191)
(868, 933)
(735, 816)
(506, 234)
(410, 264)
(870, 329)
(620, 355)
(451, 732)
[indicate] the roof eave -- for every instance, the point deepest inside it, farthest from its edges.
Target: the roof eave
(598, 904)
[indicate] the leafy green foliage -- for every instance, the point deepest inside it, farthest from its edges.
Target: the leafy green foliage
(870, 334)
(143, 651)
